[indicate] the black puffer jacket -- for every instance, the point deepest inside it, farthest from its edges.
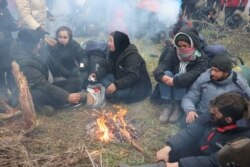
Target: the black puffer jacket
(36, 72)
(170, 62)
(206, 138)
(130, 69)
(67, 57)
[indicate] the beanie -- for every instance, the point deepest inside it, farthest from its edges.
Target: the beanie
(222, 62)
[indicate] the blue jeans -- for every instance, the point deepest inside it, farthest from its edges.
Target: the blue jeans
(171, 92)
(118, 95)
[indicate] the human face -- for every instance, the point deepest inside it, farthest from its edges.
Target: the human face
(63, 37)
(111, 43)
(219, 118)
(183, 45)
(217, 74)
(216, 114)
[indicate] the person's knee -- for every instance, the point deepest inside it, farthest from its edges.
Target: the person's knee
(169, 73)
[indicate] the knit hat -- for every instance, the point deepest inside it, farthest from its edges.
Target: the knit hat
(181, 37)
(222, 62)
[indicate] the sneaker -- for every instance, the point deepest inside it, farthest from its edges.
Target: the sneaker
(157, 164)
(176, 115)
(165, 114)
(46, 110)
(83, 96)
(236, 152)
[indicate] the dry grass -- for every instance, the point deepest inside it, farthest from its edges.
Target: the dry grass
(61, 140)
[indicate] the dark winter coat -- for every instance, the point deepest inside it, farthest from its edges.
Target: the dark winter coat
(7, 26)
(129, 70)
(205, 138)
(171, 63)
(36, 71)
(67, 57)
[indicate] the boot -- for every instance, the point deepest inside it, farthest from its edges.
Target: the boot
(167, 111)
(157, 164)
(176, 114)
(47, 110)
(83, 96)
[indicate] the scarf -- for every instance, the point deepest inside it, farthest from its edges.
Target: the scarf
(186, 55)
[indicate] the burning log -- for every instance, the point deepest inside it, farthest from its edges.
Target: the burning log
(109, 126)
(25, 99)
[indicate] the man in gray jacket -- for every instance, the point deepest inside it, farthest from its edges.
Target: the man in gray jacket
(216, 80)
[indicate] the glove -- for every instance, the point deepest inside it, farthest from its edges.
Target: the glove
(41, 32)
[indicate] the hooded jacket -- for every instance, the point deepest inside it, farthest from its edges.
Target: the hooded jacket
(204, 89)
(170, 62)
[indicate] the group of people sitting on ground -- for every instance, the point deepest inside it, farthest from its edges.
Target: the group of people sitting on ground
(56, 79)
(207, 13)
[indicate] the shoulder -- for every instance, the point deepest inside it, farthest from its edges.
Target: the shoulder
(204, 77)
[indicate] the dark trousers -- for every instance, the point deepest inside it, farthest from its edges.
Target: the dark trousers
(126, 95)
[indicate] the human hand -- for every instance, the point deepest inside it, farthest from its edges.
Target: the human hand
(74, 98)
(92, 77)
(170, 82)
(41, 32)
(175, 164)
(165, 79)
(50, 41)
(191, 116)
(111, 88)
(162, 154)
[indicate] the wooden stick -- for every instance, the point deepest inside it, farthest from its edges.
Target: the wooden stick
(25, 99)
(125, 135)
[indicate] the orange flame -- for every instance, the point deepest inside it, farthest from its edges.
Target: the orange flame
(105, 132)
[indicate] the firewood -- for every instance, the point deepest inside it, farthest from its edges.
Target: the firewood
(25, 99)
(124, 134)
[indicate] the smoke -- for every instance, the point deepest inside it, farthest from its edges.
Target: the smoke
(137, 18)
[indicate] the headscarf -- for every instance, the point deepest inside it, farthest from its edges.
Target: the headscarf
(121, 42)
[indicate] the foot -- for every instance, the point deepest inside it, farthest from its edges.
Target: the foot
(176, 115)
(46, 110)
(165, 114)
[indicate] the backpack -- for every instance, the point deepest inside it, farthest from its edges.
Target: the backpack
(212, 50)
(96, 53)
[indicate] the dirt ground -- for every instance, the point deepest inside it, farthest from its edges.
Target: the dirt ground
(63, 137)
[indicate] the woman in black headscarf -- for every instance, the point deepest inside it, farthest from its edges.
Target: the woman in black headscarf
(127, 79)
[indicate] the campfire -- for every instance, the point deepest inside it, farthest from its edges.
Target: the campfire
(111, 126)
